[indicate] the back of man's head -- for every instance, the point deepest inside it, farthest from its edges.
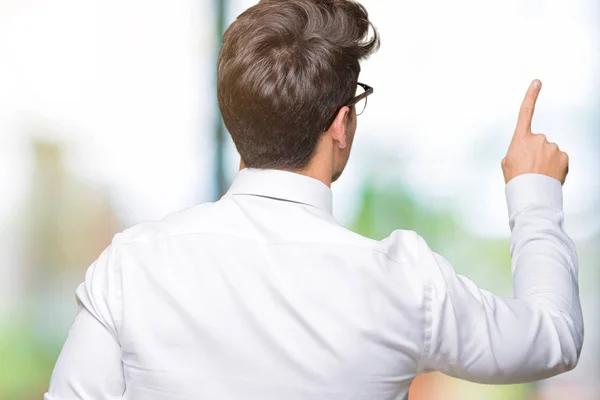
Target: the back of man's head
(286, 66)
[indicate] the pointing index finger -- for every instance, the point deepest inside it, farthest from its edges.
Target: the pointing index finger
(528, 107)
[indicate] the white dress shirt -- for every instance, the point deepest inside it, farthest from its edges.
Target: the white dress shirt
(263, 295)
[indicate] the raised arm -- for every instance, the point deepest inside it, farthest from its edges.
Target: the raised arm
(475, 335)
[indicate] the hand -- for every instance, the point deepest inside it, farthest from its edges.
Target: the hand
(531, 153)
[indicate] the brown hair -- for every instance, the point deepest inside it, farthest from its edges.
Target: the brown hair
(286, 66)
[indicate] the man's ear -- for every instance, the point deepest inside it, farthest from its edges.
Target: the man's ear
(338, 127)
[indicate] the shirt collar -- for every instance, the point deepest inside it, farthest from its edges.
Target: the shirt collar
(283, 185)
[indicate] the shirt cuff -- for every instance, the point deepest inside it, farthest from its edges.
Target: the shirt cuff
(533, 189)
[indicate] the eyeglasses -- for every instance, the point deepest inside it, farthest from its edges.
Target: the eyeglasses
(359, 101)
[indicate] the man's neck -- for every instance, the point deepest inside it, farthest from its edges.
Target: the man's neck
(314, 170)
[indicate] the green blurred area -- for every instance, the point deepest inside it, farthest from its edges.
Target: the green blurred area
(26, 360)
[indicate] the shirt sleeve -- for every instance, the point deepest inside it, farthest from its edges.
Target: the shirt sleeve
(475, 335)
(89, 365)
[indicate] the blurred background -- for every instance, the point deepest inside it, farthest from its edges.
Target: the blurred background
(108, 117)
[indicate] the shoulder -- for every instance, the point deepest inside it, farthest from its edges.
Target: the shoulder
(400, 247)
(187, 221)
(403, 246)
(408, 257)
